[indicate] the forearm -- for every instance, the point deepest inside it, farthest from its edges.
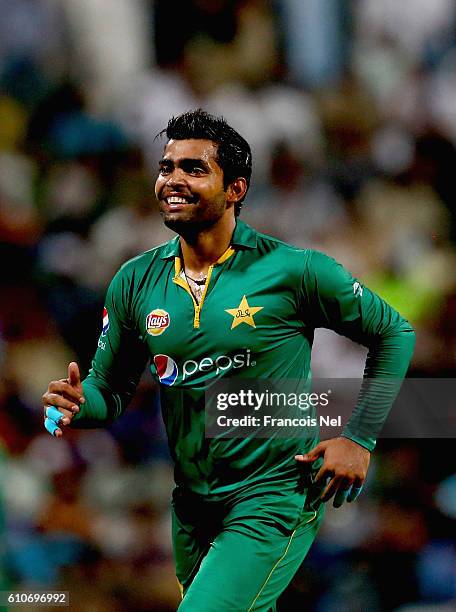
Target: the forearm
(386, 365)
(101, 405)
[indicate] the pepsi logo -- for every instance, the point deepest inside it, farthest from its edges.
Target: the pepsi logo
(167, 369)
(157, 321)
(105, 327)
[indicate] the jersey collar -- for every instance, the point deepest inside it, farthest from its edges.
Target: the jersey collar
(244, 237)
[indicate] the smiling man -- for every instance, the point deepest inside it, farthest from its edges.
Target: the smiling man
(223, 300)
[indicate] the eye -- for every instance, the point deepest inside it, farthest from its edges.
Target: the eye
(164, 169)
(194, 167)
(197, 170)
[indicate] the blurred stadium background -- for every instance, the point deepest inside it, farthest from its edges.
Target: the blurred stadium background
(350, 110)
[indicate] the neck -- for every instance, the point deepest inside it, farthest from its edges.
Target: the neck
(202, 248)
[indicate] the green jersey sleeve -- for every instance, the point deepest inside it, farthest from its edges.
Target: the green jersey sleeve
(332, 298)
(118, 362)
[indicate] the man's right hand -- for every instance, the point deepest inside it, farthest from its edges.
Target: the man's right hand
(61, 400)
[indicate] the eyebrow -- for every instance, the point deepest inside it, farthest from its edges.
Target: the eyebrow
(185, 161)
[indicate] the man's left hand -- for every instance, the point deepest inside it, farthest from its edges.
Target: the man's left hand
(345, 465)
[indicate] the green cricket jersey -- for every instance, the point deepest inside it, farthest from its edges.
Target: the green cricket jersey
(262, 301)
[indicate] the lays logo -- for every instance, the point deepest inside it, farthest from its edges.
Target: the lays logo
(157, 321)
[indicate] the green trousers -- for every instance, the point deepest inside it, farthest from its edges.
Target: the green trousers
(240, 553)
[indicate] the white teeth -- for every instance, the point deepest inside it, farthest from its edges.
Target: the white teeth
(176, 200)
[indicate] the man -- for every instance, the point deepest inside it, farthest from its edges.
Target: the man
(220, 300)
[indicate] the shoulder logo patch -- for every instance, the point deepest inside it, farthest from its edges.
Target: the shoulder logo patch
(357, 289)
(104, 329)
(157, 321)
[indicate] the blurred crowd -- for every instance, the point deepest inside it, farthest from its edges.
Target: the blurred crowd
(349, 108)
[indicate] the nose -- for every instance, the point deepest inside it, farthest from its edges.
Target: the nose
(174, 180)
(176, 177)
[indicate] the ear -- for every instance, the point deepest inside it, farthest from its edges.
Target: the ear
(236, 190)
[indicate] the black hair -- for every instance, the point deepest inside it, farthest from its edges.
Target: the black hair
(233, 152)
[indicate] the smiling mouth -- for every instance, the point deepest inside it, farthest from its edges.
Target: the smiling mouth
(177, 200)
